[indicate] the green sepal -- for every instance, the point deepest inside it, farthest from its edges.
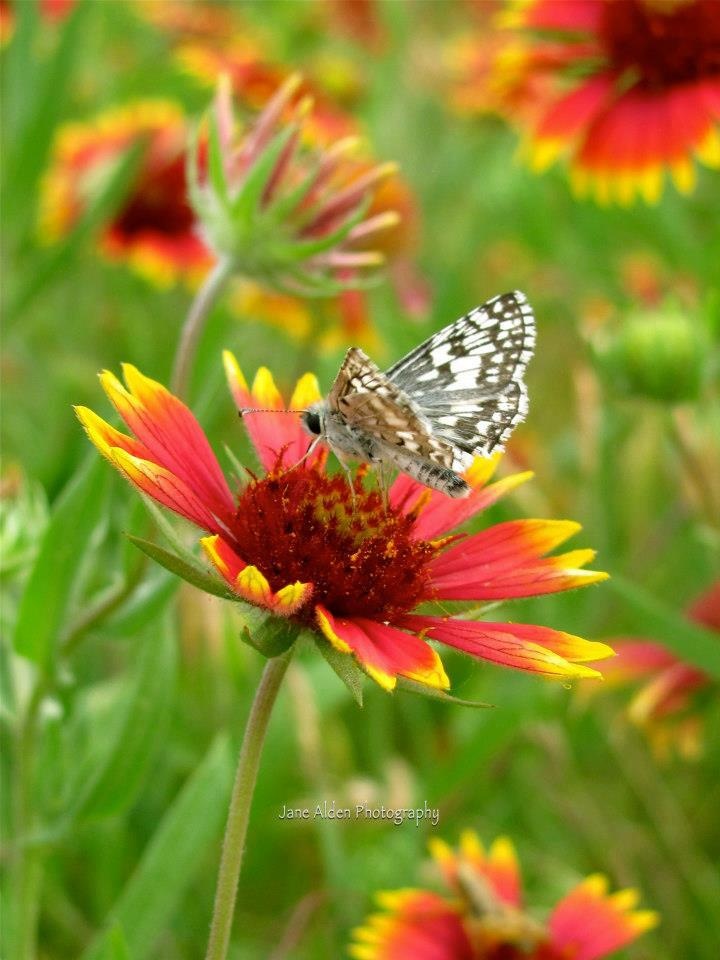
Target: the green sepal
(434, 694)
(304, 249)
(190, 572)
(344, 666)
(271, 636)
(244, 206)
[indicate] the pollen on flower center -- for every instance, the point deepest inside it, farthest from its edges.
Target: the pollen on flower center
(304, 525)
(664, 44)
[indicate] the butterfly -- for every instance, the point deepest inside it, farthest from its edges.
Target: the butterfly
(458, 395)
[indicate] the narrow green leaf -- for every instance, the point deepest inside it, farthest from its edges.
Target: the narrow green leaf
(145, 604)
(190, 572)
(172, 859)
(246, 203)
(344, 666)
(115, 946)
(31, 146)
(52, 582)
(272, 637)
(119, 776)
(689, 641)
(434, 694)
(54, 262)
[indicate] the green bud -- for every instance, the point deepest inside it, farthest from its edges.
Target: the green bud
(658, 355)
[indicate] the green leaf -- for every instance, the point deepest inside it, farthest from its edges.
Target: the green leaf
(245, 205)
(145, 604)
(52, 582)
(344, 666)
(190, 572)
(115, 946)
(54, 263)
(173, 857)
(690, 641)
(120, 775)
(434, 694)
(30, 145)
(272, 637)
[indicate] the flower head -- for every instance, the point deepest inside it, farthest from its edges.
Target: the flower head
(154, 231)
(636, 91)
(301, 544)
(484, 919)
(666, 705)
(286, 216)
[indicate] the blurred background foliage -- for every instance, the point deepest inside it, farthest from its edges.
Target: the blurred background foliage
(126, 695)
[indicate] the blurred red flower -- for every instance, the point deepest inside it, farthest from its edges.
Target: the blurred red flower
(155, 229)
(671, 691)
(635, 92)
(484, 919)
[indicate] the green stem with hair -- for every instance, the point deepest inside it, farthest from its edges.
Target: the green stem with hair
(240, 804)
(194, 324)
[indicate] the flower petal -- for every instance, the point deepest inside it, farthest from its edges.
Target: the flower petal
(436, 513)
(589, 923)
(172, 435)
(384, 652)
(499, 867)
(105, 437)
(252, 585)
(278, 436)
(507, 580)
(419, 925)
(163, 486)
(567, 117)
(505, 546)
(520, 646)
(223, 558)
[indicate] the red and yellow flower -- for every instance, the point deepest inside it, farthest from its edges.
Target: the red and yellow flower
(483, 917)
(155, 230)
(667, 704)
(636, 91)
(299, 543)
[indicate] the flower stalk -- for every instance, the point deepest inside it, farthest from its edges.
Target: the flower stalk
(240, 804)
(194, 324)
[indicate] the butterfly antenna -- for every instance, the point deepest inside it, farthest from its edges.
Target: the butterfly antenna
(243, 410)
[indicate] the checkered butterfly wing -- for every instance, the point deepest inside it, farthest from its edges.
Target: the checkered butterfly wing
(466, 381)
(376, 407)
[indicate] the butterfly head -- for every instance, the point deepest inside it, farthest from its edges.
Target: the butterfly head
(313, 419)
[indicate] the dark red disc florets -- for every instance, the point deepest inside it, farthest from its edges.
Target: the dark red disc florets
(158, 203)
(663, 44)
(359, 554)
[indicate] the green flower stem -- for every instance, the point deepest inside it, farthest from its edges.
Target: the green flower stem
(240, 803)
(27, 861)
(195, 324)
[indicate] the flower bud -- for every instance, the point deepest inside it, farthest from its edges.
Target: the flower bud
(659, 355)
(283, 214)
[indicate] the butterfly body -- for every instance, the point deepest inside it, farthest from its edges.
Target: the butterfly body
(457, 395)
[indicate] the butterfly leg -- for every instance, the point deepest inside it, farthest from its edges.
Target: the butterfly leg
(383, 481)
(306, 454)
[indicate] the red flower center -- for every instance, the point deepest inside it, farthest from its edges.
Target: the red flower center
(303, 525)
(158, 203)
(665, 43)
